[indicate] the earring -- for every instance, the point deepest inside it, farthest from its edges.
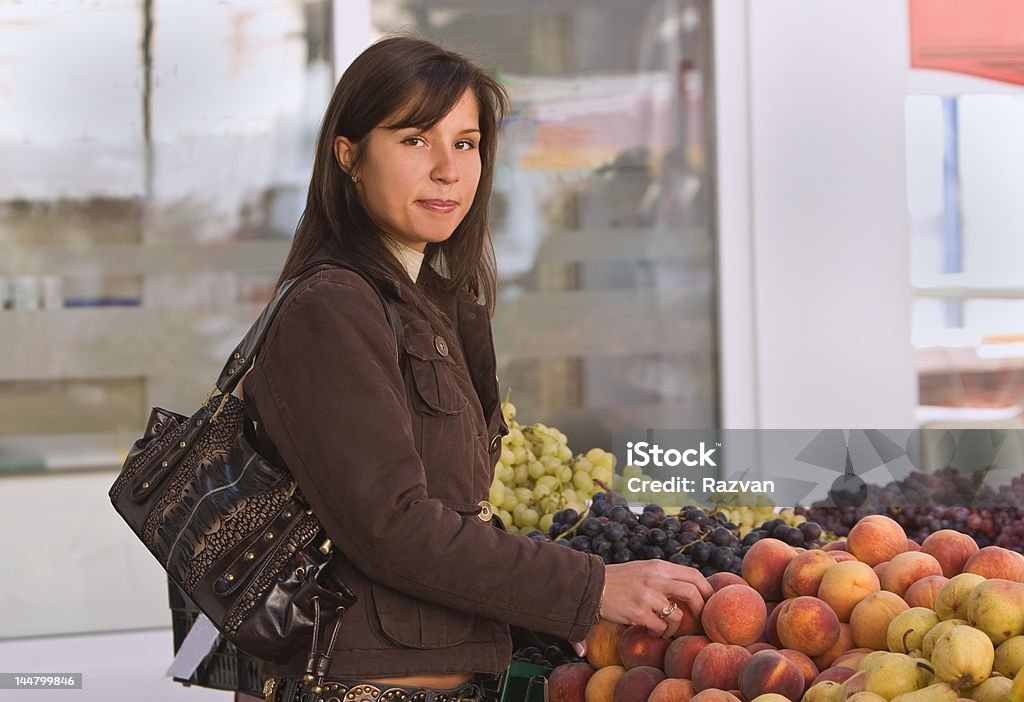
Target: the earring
(355, 178)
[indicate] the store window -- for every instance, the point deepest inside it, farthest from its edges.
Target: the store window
(154, 157)
(965, 170)
(602, 207)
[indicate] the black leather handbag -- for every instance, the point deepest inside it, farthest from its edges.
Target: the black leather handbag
(231, 529)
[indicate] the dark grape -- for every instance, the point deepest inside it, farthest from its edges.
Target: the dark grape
(811, 531)
(700, 551)
(721, 536)
(657, 537)
(580, 543)
(589, 527)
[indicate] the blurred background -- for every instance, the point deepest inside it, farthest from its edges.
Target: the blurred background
(707, 213)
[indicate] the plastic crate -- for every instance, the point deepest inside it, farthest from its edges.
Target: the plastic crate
(225, 667)
(522, 682)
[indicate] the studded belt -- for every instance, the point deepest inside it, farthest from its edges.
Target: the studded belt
(290, 690)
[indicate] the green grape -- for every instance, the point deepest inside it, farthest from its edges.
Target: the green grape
(521, 474)
(535, 470)
(528, 518)
(583, 482)
(497, 493)
(545, 522)
(583, 464)
(524, 494)
(540, 492)
(549, 480)
(564, 453)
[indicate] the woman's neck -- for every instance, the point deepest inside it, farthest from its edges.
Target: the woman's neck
(410, 258)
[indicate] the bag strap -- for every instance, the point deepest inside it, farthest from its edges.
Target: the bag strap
(242, 357)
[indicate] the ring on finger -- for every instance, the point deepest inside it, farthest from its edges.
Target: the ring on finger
(666, 611)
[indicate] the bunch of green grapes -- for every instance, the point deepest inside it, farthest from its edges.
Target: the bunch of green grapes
(538, 475)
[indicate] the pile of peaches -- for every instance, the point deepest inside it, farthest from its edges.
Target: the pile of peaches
(874, 618)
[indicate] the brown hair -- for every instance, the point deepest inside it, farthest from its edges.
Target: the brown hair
(410, 82)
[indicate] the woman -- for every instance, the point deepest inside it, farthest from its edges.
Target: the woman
(395, 452)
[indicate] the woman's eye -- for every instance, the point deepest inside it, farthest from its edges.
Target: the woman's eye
(413, 141)
(465, 145)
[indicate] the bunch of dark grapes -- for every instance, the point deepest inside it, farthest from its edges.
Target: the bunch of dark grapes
(924, 503)
(806, 535)
(694, 537)
(550, 656)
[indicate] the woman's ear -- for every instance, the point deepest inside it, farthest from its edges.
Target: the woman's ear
(345, 153)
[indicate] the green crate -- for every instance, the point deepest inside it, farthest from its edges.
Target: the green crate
(522, 682)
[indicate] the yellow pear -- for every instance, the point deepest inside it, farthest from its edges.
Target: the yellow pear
(935, 632)
(869, 659)
(951, 602)
(939, 692)
(995, 689)
(893, 674)
(997, 608)
(1009, 657)
(770, 697)
(907, 629)
(1017, 689)
(825, 691)
(866, 696)
(963, 657)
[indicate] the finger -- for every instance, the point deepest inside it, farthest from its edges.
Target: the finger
(686, 594)
(692, 576)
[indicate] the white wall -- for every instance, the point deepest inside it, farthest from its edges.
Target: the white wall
(814, 271)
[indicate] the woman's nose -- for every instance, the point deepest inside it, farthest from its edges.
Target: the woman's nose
(445, 167)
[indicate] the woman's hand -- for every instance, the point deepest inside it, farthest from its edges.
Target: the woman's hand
(640, 592)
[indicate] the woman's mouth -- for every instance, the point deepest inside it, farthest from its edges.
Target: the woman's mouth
(439, 206)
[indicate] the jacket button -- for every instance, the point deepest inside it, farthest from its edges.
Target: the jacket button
(486, 511)
(495, 442)
(440, 345)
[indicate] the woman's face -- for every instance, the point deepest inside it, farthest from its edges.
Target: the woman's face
(417, 185)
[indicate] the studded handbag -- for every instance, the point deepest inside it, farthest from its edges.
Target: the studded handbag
(230, 528)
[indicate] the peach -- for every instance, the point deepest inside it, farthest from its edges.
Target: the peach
(854, 683)
(835, 546)
(803, 574)
(870, 619)
(876, 539)
(672, 690)
(907, 568)
(764, 565)
(690, 624)
(770, 671)
(852, 658)
(913, 545)
(845, 585)
(718, 665)
(720, 580)
(996, 562)
(880, 569)
(602, 643)
(601, 686)
(924, 591)
(637, 683)
(803, 663)
(638, 648)
(771, 627)
(681, 653)
(841, 556)
(760, 646)
(736, 615)
(836, 673)
(808, 625)
(714, 695)
(842, 645)
(568, 682)
(951, 549)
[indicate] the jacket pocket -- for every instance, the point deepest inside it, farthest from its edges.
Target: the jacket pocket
(414, 623)
(433, 372)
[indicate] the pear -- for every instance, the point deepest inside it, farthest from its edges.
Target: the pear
(935, 632)
(1017, 688)
(869, 659)
(995, 689)
(907, 629)
(951, 602)
(893, 674)
(963, 657)
(939, 692)
(866, 696)
(995, 607)
(825, 691)
(1009, 657)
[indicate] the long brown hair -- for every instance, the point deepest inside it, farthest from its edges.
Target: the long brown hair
(410, 82)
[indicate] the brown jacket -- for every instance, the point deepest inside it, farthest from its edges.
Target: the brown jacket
(395, 462)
